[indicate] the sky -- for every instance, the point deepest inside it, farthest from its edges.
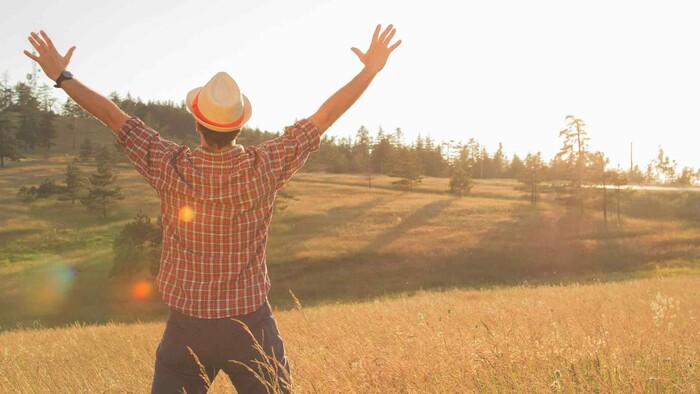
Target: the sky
(497, 71)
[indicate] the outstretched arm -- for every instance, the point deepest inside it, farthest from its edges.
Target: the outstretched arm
(53, 64)
(374, 60)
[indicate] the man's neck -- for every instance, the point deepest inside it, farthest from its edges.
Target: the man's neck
(214, 149)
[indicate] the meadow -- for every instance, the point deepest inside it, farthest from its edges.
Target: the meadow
(633, 336)
(402, 292)
(337, 240)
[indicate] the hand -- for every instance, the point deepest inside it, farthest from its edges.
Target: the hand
(49, 59)
(379, 50)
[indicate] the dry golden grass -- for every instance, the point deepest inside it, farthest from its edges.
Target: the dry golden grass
(637, 336)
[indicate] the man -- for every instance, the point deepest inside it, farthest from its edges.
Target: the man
(216, 206)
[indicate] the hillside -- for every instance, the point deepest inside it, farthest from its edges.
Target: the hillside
(637, 336)
(338, 241)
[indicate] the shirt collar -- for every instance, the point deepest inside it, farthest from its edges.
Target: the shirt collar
(203, 153)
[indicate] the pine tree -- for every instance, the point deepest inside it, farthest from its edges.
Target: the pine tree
(86, 151)
(407, 165)
(8, 145)
(686, 177)
(46, 131)
(5, 91)
(72, 110)
(664, 168)
(75, 183)
(532, 175)
(28, 107)
(382, 152)
(500, 162)
(361, 154)
(575, 153)
(516, 168)
(461, 182)
(102, 192)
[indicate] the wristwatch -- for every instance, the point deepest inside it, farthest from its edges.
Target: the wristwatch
(64, 75)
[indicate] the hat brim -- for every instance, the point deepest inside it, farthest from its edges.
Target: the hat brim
(246, 107)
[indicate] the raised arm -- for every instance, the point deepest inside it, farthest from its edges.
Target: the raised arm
(53, 64)
(374, 60)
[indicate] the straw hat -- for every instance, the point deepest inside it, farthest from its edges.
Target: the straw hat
(219, 105)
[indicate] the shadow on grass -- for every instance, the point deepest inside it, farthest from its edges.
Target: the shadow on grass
(421, 216)
(535, 244)
(318, 223)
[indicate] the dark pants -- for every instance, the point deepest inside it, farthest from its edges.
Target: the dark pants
(222, 345)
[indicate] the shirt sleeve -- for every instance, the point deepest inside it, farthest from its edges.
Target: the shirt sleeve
(288, 152)
(146, 149)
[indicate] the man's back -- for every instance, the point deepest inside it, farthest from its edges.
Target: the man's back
(216, 209)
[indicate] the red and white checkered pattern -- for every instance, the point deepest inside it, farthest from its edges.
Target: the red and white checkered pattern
(216, 210)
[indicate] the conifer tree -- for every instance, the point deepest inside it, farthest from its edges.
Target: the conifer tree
(75, 183)
(575, 153)
(86, 151)
(516, 167)
(461, 182)
(532, 175)
(102, 192)
(8, 145)
(408, 166)
(46, 131)
(28, 106)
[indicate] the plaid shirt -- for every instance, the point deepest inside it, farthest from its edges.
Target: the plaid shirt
(216, 210)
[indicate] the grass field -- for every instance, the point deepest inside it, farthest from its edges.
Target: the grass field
(403, 292)
(635, 336)
(337, 241)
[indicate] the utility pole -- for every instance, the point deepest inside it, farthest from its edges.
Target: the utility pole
(631, 159)
(31, 78)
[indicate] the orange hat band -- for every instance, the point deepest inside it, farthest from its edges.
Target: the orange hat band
(200, 115)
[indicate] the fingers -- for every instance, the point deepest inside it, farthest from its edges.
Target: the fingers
(47, 39)
(34, 43)
(386, 32)
(390, 36)
(376, 33)
(42, 45)
(391, 48)
(69, 55)
(31, 56)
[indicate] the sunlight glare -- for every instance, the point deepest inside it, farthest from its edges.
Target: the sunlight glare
(141, 290)
(186, 213)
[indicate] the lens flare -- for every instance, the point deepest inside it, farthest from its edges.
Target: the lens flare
(186, 214)
(48, 287)
(141, 290)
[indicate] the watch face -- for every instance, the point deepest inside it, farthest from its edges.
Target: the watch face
(67, 74)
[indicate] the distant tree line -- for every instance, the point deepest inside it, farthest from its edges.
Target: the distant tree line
(381, 153)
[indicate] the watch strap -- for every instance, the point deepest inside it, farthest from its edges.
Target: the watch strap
(62, 77)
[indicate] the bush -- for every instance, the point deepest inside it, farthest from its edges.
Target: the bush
(137, 247)
(48, 188)
(27, 194)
